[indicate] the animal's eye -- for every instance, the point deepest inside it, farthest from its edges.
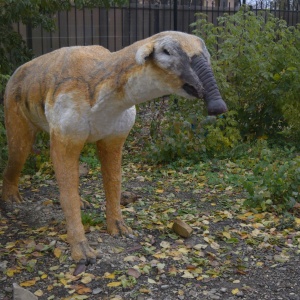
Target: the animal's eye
(166, 52)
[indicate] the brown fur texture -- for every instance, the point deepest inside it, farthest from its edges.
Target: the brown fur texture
(87, 94)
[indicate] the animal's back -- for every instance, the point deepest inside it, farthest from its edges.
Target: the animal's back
(38, 82)
(37, 76)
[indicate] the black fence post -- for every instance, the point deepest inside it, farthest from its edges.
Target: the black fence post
(175, 14)
(29, 36)
(156, 18)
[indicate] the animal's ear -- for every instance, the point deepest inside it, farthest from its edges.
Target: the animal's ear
(144, 52)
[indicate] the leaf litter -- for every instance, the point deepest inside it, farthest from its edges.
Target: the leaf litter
(232, 252)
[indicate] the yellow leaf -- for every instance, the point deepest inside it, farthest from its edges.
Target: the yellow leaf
(297, 220)
(57, 252)
(159, 255)
(86, 279)
(63, 237)
(44, 276)
(183, 250)
(39, 293)
(235, 291)
(159, 191)
(187, 274)
(226, 234)
(28, 283)
(64, 281)
(10, 245)
(52, 233)
(114, 284)
(109, 275)
(11, 272)
(144, 291)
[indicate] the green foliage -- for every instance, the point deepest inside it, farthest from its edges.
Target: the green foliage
(181, 130)
(89, 156)
(92, 218)
(275, 181)
(256, 62)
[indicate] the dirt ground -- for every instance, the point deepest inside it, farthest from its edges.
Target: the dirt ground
(231, 254)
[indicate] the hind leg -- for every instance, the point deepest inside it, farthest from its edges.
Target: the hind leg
(20, 138)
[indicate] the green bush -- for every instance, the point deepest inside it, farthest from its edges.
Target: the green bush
(275, 181)
(256, 62)
(182, 130)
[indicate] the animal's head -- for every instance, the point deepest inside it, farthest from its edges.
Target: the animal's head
(186, 57)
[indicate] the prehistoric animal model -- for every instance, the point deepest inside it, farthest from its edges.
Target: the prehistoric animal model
(88, 94)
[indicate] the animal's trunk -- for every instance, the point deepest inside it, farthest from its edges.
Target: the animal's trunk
(212, 96)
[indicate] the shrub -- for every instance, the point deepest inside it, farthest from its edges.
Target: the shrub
(182, 130)
(275, 183)
(256, 62)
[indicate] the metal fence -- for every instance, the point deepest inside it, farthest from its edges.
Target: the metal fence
(118, 27)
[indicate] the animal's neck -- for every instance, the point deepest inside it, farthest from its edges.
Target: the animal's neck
(133, 83)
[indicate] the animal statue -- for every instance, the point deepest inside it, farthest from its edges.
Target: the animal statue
(86, 94)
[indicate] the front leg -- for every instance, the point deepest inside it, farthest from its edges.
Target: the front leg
(65, 156)
(110, 155)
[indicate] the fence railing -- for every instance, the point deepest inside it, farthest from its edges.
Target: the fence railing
(118, 27)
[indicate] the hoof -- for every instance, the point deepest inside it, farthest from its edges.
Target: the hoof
(10, 196)
(10, 201)
(84, 255)
(82, 264)
(119, 228)
(85, 204)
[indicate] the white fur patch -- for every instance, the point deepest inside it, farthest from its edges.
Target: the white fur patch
(107, 120)
(70, 117)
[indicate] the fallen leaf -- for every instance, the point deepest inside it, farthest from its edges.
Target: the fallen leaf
(39, 293)
(165, 244)
(84, 290)
(151, 281)
(226, 234)
(57, 252)
(144, 291)
(114, 284)
(187, 274)
(28, 283)
(134, 272)
(109, 275)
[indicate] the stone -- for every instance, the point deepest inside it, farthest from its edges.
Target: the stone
(240, 294)
(182, 229)
(164, 286)
(3, 266)
(97, 291)
(128, 197)
(22, 294)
